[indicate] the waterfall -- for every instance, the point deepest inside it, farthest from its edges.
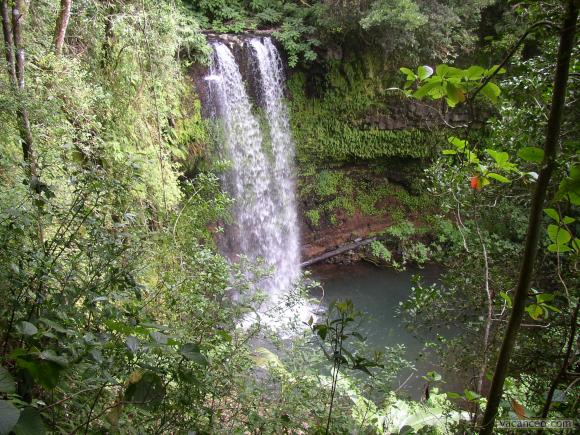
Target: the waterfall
(261, 178)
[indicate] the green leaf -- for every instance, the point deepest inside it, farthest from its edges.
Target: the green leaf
(471, 395)
(132, 343)
(491, 91)
(441, 70)
(552, 213)
(424, 72)
(7, 383)
(567, 220)
(145, 390)
(494, 68)
(531, 154)
(544, 297)
(452, 395)
(9, 415)
(500, 157)
(498, 177)
(506, 298)
(50, 355)
(321, 330)
(26, 328)
(474, 72)
(192, 352)
(410, 74)
(433, 376)
(559, 248)
(159, 337)
(425, 89)
(558, 235)
(29, 423)
(457, 143)
(454, 95)
(552, 308)
(448, 152)
(45, 372)
(535, 311)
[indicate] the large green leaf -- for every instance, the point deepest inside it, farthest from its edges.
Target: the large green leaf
(531, 154)
(471, 395)
(552, 213)
(426, 89)
(544, 297)
(145, 390)
(45, 372)
(26, 328)
(506, 298)
(501, 157)
(7, 384)
(9, 415)
(558, 235)
(29, 423)
(535, 311)
(491, 91)
(498, 177)
(474, 72)
(192, 352)
(410, 74)
(559, 248)
(454, 95)
(424, 72)
(132, 343)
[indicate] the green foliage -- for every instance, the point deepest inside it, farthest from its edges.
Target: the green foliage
(322, 134)
(313, 216)
(380, 251)
(451, 83)
(292, 22)
(333, 193)
(404, 14)
(328, 182)
(334, 333)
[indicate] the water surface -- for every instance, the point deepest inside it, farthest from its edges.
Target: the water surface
(377, 292)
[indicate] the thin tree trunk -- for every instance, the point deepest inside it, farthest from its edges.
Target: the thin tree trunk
(61, 25)
(487, 333)
(567, 37)
(12, 33)
(8, 42)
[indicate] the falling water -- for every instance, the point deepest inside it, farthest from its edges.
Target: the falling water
(270, 70)
(261, 182)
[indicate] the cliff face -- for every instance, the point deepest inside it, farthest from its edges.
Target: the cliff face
(361, 147)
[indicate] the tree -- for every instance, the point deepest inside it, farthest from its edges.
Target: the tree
(567, 38)
(61, 25)
(12, 31)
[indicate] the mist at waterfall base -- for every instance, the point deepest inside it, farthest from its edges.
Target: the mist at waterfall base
(265, 228)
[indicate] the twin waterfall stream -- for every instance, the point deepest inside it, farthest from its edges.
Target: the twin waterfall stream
(261, 179)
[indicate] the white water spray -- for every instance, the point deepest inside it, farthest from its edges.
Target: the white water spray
(261, 182)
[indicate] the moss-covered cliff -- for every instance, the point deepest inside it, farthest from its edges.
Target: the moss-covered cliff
(361, 149)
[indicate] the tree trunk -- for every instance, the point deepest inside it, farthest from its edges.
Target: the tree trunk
(8, 43)
(25, 132)
(12, 32)
(567, 37)
(61, 25)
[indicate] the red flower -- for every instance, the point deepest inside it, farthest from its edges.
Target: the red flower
(475, 184)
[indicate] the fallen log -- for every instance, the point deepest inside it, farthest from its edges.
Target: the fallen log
(337, 251)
